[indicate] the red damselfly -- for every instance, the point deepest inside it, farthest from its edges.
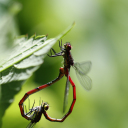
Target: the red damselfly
(81, 69)
(39, 110)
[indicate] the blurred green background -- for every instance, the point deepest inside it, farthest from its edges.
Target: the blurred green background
(101, 36)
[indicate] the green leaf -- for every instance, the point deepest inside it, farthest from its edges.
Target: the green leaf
(25, 57)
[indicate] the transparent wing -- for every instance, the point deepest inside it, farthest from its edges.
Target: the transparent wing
(82, 68)
(81, 72)
(85, 81)
(31, 125)
(66, 93)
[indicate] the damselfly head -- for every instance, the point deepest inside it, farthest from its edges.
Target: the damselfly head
(46, 106)
(67, 46)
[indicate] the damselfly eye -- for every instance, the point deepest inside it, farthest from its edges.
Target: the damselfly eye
(69, 47)
(46, 107)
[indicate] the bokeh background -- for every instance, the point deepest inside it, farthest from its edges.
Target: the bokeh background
(101, 36)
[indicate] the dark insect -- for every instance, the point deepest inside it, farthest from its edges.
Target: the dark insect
(81, 69)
